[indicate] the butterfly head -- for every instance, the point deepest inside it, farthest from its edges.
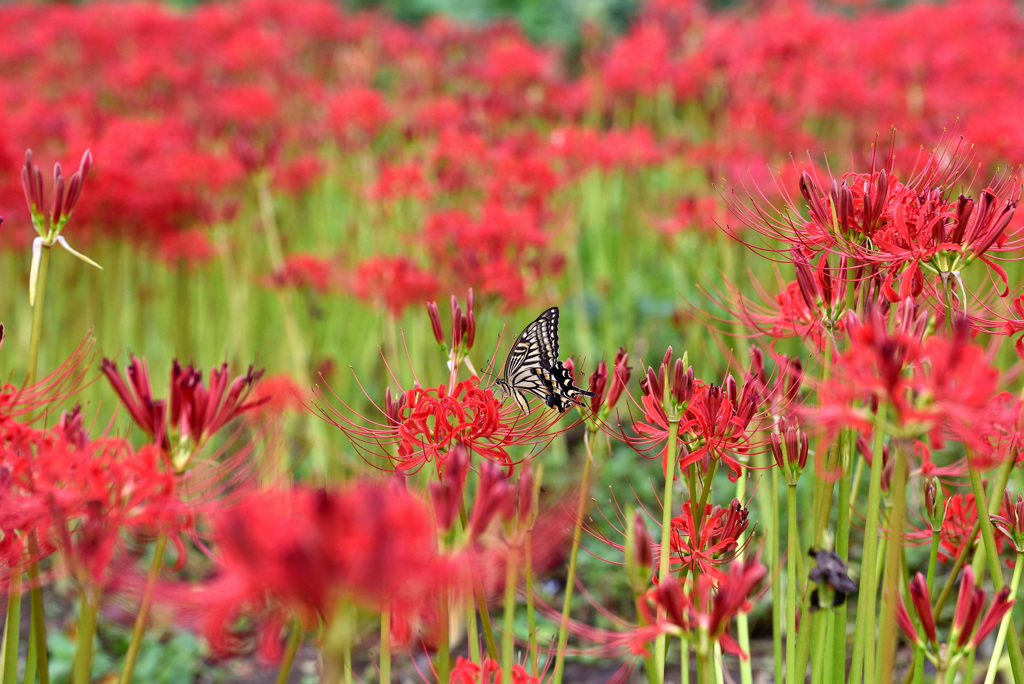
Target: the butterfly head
(502, 387)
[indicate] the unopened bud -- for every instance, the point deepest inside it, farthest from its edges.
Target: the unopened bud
(435, 322)
(470, 321)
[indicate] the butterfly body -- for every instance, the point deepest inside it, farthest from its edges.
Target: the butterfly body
(533, 367)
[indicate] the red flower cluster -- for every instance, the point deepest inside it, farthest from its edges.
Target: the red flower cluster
(311, 551)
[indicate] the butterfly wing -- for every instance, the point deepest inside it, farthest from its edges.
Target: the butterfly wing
(533, 366)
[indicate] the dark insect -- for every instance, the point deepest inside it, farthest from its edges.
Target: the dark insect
(533, 366)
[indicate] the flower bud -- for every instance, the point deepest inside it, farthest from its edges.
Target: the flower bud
(639, 557)
(435, 322)
(457, 323)
(598, 383)
(621, 373)
(470, 321)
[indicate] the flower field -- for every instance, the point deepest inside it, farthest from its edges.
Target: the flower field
(340, 349)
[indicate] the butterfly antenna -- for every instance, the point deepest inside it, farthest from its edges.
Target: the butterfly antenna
(494, 357)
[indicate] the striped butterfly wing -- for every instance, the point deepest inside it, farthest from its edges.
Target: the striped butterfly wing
(533, 366)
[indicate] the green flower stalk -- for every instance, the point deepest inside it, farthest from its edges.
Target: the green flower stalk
(606, 391)
(48, 224)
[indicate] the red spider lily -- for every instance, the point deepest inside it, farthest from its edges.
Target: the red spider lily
(712, 421)
(318, 273)
(970, 602)
(309, 550)
(957, 525)
(702, 552)
(80, 497)
(194, 411)
(392, 283)
(1010, 521)
(789, 446)
(906, 231)
(357, 113)
(425, 424)
(709, 606)
(400, 181)
(607, 390)
(468, 672)
(941, 386)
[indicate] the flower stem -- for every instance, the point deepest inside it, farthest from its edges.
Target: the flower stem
(290, 649)
(890, 596)
(773, 549)
(791, 582)
(139, 629)
(1004, 625)
(37, 621)
(11, 631)
(570, 581)
(988, 537)
(818, 651)
(39, 658)
(443, 649)
(531, 619)
(742, 625)
(508, 636)
(933, 553)
(89, 608)
(481, 600)
(665, 549)
(864, 641)
(37, 316)
(385, 645)
(842, 549)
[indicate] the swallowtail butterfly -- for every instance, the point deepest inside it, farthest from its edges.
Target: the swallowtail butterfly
(533, 366)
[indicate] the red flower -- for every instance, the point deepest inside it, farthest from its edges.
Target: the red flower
(308, 271)
(709, 606)
(305, 550)
(468, 672)
(393, 282)
(715, 545)
(357, 112)
(195, 411)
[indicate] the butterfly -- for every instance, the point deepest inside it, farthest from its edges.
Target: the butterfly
(533, 366)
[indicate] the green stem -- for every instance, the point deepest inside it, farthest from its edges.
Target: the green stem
(443, 648)
(37, 316)
(818, 649)
(774, 544)
(89, 608)
(665, 548)
(1004, 625)
(988, 537)
(742, 624)
(142, 617)
(864, 641)
(570, 581)
(698, 515)
(531, 619)
(933, 553)
(703, 658)
(385, 645)
(791, 581)
(37, 621)
(842, 549)
(290, 649)
(481, 600)
(684, 660)
(508, 637)
(1002, 478)
(11, 629)
(888, 635)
